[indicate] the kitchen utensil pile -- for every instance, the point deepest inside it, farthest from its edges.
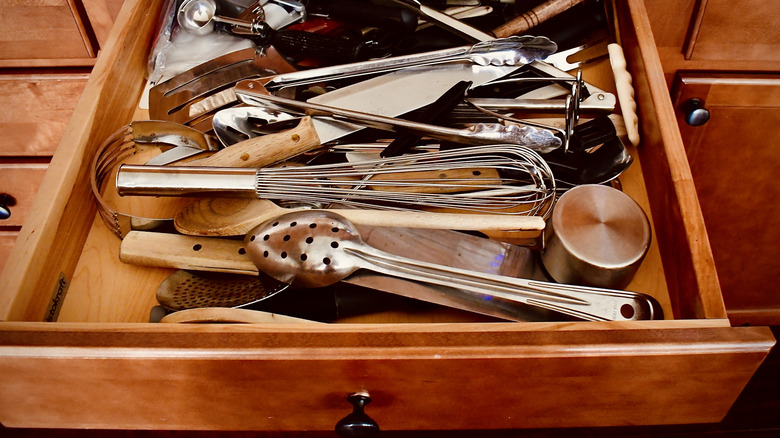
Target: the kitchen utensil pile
(352, 147)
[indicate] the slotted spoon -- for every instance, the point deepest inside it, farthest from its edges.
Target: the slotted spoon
(319, 248)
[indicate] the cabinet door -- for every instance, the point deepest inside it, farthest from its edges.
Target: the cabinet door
(735, 161)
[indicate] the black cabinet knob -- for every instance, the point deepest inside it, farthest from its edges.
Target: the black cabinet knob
(6, 202)
(357, 424)
(695, 113)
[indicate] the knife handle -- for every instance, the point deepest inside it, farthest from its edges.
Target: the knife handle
(539, 14)
(266, 149)
(625, 91)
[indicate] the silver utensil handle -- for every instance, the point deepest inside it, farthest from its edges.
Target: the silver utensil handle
(538, 139)
(588, 303)
(354, 69)
(516, 50)
(137, 180)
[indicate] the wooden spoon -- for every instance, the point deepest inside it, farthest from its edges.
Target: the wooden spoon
(231, 315)
(236, 216)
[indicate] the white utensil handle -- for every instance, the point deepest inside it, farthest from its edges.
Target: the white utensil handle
(625, 91)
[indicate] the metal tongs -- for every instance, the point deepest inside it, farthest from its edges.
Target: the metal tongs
(540, 140)
(515, 50)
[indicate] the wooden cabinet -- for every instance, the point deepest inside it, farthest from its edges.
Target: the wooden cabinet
(46, 33)
(47, 49)
(99, 364)
(719, 35)
(734, 160)
(726, 55)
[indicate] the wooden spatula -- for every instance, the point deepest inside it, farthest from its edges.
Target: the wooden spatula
(236, 216)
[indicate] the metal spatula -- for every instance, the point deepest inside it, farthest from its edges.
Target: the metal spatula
(196, 93)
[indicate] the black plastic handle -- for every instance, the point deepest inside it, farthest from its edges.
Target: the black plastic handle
(357, 424)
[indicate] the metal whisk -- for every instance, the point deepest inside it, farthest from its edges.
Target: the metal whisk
(508, 179)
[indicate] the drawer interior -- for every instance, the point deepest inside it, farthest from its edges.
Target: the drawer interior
(66, 265)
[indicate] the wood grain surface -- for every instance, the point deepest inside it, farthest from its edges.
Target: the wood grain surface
(43, 29)
(37, 107)
(109, 370)
(733, 162)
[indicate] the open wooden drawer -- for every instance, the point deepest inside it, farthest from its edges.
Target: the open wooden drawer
(101, 366)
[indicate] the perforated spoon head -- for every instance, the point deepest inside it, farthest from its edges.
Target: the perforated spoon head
(304, 248)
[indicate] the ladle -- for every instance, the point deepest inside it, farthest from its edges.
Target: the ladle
(319, 248)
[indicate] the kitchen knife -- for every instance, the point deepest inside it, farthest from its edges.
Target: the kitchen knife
(389, 95)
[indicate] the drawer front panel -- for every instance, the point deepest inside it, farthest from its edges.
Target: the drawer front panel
(749, 35)
(42, 29)
(449, 380)
(37, 109)
(7, 240)
(20, 181)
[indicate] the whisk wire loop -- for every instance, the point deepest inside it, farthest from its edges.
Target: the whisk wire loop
(508, 179)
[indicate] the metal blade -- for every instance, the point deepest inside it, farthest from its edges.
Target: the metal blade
(173, 155)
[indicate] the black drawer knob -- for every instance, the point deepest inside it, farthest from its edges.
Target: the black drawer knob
(695, 113)
(6, 202)
(357, 424)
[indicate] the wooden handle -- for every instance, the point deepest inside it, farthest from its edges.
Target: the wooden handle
(235, 217)
(266, 149)
(533, 225)
(625, 92)
(231, 315)
(447, 181)
(164, 250)
(539, 14)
